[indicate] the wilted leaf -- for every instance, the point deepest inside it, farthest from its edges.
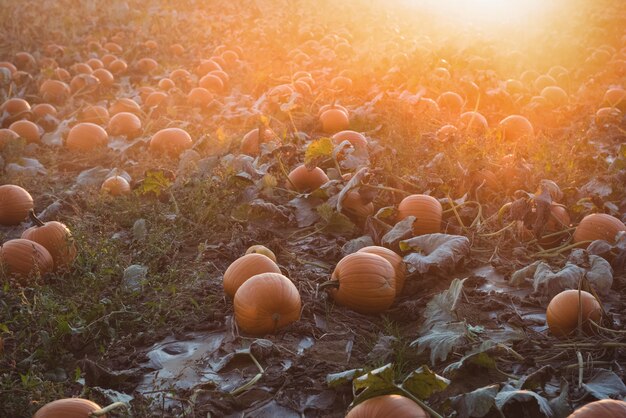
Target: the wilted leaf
(477, 403)
(140, 230)
(509, 393)
(438, 253)
(605, 384)
(355, 181)
(383, 350)
(560, 404)
(543, 203)
(356, 244)
(423, 382)
(597, 187)
(537, 379)
(376, 382)
(337, 379)
(400, 231)
(333, 222)
(441, 309)
(441, 340)
(305, 210)
(317, 150)
(482, 356)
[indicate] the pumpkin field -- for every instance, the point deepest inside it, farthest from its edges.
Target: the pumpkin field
(313, 208)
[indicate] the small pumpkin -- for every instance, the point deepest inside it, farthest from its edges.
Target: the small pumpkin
(115, 186)
(304, 180)
(598, 226)
(199, 97)
(365, 283)
(68, 408)
(27, 130)
(251, 142)
(353, 203)
(245, 267)
(263, 250)
(15, 106)
(54, 91)
(24, 258)
(605, 408)
(55, 237)
(385, 406)
(334, 120)
(559, 221)
(516, 127)
(265, 303)
(125, 105)
(98, 115)
(125, 124)
(473, 123)
(171, 141)
(555, 95)
(394, 259)
(563, 310)
(86, 136)
(357, 139)
(15, 203)
(450, 102)
(427, 211)
(7, 136)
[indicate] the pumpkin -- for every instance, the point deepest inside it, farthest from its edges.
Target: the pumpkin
(555, 95)
(27, 130)
(68, 408)
(304, 180)
(614, 97)
(447, 132)
(146, 65)
(563, 309)
(125, 124)
(245, 267)
(427, 211)
(104, 76)
(542, 81)
(473, 123)
(251, 142)
(54, 91)
(332, 106)
(199, 97)
(54, 237)
(166, 84)
(334, 120)
(263, 250)
(341, 83)
(598, 226)
(15, 106)
(24, 258)
(98, 115)
(607, 116)
(516, 127)
(365, 283)
(385, 406)
(155, 99)
(117, 66)
(221, 74)
(212, 83)
(450, 102)
(559, 220)
(82, 68)
(41, 110)
(84, 83)
(15, 203)
(7, 136)
(124, 105)
(357, 140)
(605, 408)
(171, 141)
(206, 66)
(265, 303)
(25, 61)
(115, 186)
(394, 259)
(86, 136)
(354, 204)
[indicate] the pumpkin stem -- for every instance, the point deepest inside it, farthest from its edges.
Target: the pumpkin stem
(35, 219)
(334, 284)
(107, 409)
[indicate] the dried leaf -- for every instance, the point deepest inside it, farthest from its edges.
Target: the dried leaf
(509, 393)
(441, 309)
(477, 403)
(605, 384)
(438, 253)
(441, 340)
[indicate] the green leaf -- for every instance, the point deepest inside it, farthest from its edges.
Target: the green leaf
(375, 383)
(334, 222)
(423, 382)
(338, 379)
(317, 150)
(155, 181)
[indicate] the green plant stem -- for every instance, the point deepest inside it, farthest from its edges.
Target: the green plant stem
(456, 214)
(421, 403)
(498, 232)
(252, 381)
(109, 408)
(556, 251)
(612, 331)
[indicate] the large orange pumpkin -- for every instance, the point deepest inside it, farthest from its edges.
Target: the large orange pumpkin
(86, 136)
(394, 259)
(245, 267)
(366, 283)
(563, 309)
(427, 211)
(516, 127)
(598, 226)
(24, 258)
(265, 303)
(605, 408)
(56, 238)
(171, 141)
(68, 408)
(15, 203)
(473, 123)
(387, 406)
(304, 180)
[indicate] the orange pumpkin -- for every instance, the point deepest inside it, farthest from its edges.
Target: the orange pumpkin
(265, 303)
(304, 180)
(115, 186)
(608, 115)
(555, 95)
(562, 312)
(7, 136)
(68, 408)
(263, 250)
(27, 130)
(251, 143)
(98, 115)
(126, 124)
(15, 106)
(245, 267)
(334, 120)
(199, 97)
(212, 83)
(386, 406)
(598, 226)
(559, 220)
(125, 105)
(146, 65)
(24, 258)
(516, 127)
(473, 123)
(353, 204)
(450, 102)
(357, 140)
(427, 211)
(394, 259)
(365, 283)
(15, 203)
(86, 136)
(171, 141)
(54, 237)
(104, 76)
(605, 408)
(54, 91)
